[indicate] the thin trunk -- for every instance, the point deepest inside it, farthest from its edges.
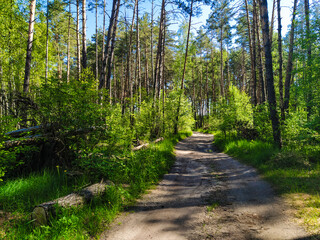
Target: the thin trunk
(184, 70)
(97, 42)
(254, 63)
(187, 46)
(260, 66)
(103, 33)
(280, 59)
(151, 50)
(29, 46)
(103, 76)
(272, 20)
(308, 69)
(110, 54)
(289, 64)
(138, 56)
(207, 91)
(47, 43)
(68, 46)
(252, 54)
(159, 54)
(84, 35)
(269, 74)
(221, 63)
(78, 39)
(146, 79)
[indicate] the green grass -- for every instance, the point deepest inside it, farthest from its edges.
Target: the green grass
(292, 173)
(133, 173)
(22, 194)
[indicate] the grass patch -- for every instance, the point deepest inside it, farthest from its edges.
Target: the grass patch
(292, 173)
(133, 173)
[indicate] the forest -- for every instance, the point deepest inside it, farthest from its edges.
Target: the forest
(74, 107)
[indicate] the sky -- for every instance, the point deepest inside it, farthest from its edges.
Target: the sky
(145, 5)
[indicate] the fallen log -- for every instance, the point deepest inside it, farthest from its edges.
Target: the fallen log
(43, 212)
(145, 145)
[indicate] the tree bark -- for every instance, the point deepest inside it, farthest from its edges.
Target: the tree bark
(47, 43)
(289, 63)
(252, 53)
(26, 84)
(269, 74)
(280, 60)
(272, 20)
(138, 56)
(41, 214)
(110, 53)
(97, 42)
(308, 70)
(221, 62)
(84, 35)
(262, 94)
(184, 71)
(78, 39)
(103, 75)
(68, 46)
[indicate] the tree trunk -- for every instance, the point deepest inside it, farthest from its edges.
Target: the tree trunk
(41, 214)
(78, 39)
(254, 63)
(262, 93)
(110, 53)
(84, 35)
(29, 46)
(103, 33)
(280, 59)
(252, 52)
(184, 71)
(221, 62)
(97, 42)
(289, 63)
(272, 20)
(308, 69)
(138, 56)
(103, 75)
(68, 46)
(47, 43)
(269, 74)
(151, 40)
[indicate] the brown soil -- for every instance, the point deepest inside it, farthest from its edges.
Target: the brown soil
(207, 195)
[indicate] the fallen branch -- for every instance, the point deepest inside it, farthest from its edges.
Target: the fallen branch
(42, 213)
(145, 145)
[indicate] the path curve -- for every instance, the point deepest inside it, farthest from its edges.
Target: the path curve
(246, 207)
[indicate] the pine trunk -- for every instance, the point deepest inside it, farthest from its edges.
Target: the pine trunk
(287, 83)
(29, 46)
(269, 74)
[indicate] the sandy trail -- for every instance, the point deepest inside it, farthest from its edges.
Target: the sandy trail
(178, 208)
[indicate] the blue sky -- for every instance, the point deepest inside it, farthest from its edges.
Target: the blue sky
(286, 13)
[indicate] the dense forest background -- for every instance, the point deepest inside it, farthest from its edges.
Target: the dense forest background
(137, 79)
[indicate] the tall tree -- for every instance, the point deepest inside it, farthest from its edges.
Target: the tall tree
(84, 34)
(287, 83)
(29, 46)
(308, 44)
(269, 74)
(78, 39)
(280, 59)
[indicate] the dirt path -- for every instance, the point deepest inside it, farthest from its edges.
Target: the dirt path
(244, 206)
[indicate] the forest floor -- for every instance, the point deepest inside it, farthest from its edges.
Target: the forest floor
(207, 195)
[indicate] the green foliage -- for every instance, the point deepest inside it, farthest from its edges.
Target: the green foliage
(138, 170)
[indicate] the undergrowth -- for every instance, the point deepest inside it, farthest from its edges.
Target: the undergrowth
(294, 173)
(132, 172)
